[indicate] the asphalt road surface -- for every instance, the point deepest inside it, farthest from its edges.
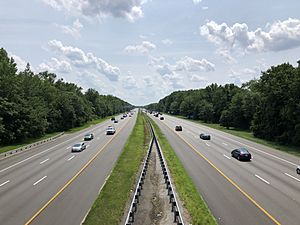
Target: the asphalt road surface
(51, 185)
(265, 190)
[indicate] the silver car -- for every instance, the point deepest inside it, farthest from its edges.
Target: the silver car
(78, 147)
(110, 130)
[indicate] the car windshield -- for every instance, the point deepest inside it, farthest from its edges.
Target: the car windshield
(77, 145)
(243, 150)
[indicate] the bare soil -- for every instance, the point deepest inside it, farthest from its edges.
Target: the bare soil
(154, 207)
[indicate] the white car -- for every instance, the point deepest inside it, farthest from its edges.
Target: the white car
(110, 130)
(298, 170)
(78, 147)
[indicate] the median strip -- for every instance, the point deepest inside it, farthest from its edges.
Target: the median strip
(110, 205)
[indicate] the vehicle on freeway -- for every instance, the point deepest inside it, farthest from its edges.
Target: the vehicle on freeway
(110, 130)
(88, 137)
(205, 136)
(298, 170)
(178, 128)
(241, 154)
(161, 118)
(116, 121)
(122, 118)
(79, 147)
(124, 115)
(113, 118)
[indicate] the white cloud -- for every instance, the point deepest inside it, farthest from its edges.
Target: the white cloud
(189, 64)
(225, 53)
(74, 29)
(197, 78)
(79, 58)
(129, 9)
(278, 36)
(143, 48)
(129, 82)
(21, 63)
(56, 65)
(148, 81)
(167, 42)
(197, 1)
(204, 8)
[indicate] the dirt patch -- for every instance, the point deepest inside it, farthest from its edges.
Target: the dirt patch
(154, 207)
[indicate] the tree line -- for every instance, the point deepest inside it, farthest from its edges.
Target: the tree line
(34, 104)
(268, 106)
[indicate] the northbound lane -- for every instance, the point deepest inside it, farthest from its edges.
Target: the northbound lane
(256, 192)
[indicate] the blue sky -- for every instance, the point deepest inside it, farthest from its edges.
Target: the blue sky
(142, 50)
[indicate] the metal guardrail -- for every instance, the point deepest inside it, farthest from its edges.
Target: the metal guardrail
(27, 147)
(170, 190)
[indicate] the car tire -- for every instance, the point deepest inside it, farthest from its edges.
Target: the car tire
(298, 171)
(239, 158)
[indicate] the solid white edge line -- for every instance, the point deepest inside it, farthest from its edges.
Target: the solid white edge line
(228, 138)
(262, 179)
(226, 156)
(39, 180)
(24, 160)
(44, 161)
(71, 158)
(292, 177)
(4, 183)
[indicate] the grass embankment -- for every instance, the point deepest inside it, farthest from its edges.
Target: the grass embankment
(33, 140)
(249, 136)
(110, 204)
(193, 202)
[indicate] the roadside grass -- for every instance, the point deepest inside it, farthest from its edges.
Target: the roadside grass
(294, 150)
(192, 200)
(108, 208)
(32, 140)
(26, 142)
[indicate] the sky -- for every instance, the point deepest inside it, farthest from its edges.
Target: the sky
(143, 50)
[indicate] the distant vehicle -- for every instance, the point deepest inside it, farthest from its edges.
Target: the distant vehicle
(78, 147)
(110, 130)
(241, 154)
(162, 118)
(124, 115)
(156, 114)
(122, 118)
(88, 137)
(116, 121)
(298, 170)
(178, 128)
(205, 136)
(113, 118)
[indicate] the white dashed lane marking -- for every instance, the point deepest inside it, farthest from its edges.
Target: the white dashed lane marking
(43, 178)
(44, 161)
(262, 179)
(4, 183)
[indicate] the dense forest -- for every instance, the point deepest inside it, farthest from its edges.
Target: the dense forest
(268, 106)
(34, 104)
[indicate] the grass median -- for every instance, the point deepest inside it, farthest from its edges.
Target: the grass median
(108, 209)
(193, 202)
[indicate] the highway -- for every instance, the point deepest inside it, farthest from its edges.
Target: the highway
(51, 185)
(265, 190)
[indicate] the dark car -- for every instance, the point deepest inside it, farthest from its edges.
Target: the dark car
(113, 118)
(205, 136)
(116, 121)
(241, 154)
(298, 170)
(161, 118)
(178, 128)
(88, 137)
